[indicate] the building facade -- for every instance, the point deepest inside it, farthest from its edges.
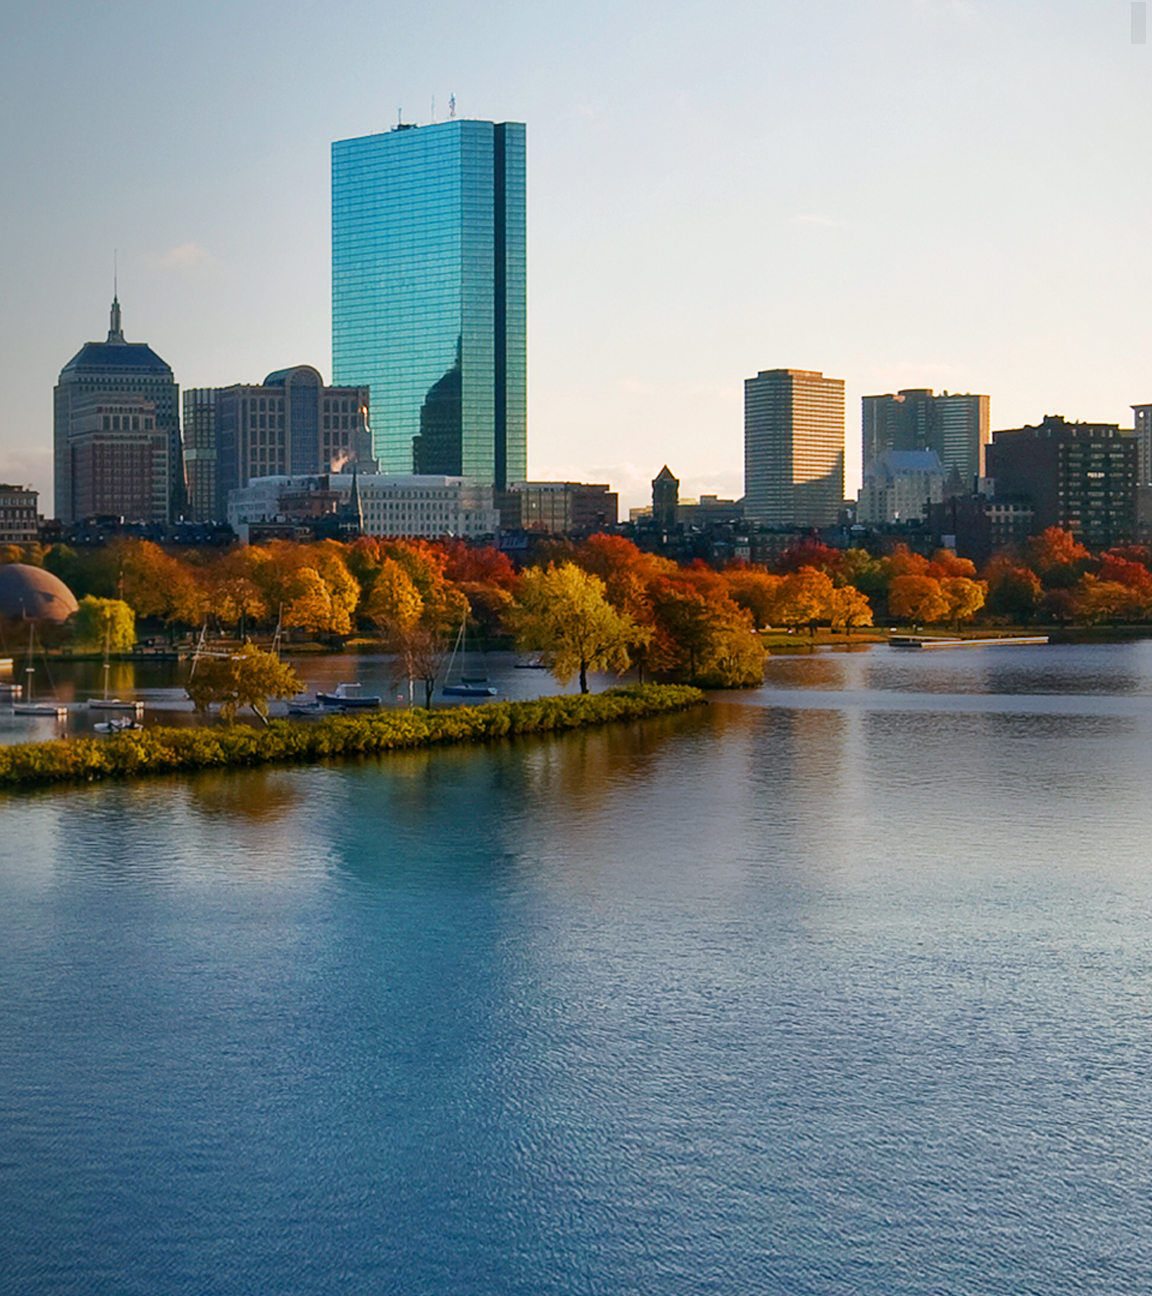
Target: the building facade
(954, 425)
(19, 520)
(558, 508)
(899, 487)
(107, 374)
(429, 298)
(428, 507)
(1078, 476)
(289, 424)
(793, 448)
(119, 460)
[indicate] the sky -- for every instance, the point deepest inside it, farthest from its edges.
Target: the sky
(900, 193)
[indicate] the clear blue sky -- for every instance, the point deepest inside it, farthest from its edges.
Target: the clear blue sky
(940, 193)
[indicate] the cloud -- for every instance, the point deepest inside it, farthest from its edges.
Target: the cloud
(28, 466)
(826, 222)
(187, 259)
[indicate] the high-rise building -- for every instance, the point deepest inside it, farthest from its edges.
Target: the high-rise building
(793, 448)
(1078, 476)
(429, 294)
(955, 425)
(99, 376)
(290, 424)
(1143, 430)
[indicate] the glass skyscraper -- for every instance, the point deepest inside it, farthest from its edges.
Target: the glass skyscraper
(429, 295)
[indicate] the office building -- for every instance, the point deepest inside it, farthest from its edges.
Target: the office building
(899, 487)
(99, 376)
(954, 425)
(558, 508)
(119, 460)
(429, 295)
(427, 507)
(19, 522)
(289, 424)
(1143, 434)
(1078, 476)
(793, 448)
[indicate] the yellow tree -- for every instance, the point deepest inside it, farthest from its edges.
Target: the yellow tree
(247, 677)
(562, 613)
(848, 608)
(965, 597)
(104, 624)
(804, 598)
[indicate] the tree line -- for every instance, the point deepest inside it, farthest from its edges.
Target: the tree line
(600, 605)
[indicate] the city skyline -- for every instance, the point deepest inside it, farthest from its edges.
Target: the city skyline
(894, 195)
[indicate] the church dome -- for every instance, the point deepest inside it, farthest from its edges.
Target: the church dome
(33, 594)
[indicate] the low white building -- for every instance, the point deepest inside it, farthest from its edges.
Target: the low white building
(899, 486)
(401, 506)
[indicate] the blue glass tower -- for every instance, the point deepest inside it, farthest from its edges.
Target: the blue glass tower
(429, 295)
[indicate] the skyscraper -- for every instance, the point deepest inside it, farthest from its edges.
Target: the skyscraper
(429, 295)
(289, 424)
(793, 448)
(955, 425)
(116, 419)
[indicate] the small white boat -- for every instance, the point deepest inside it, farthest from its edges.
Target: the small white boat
(28, 706)
(115, 726)
(39, 709)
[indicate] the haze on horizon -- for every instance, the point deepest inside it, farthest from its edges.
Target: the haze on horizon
(937, 193)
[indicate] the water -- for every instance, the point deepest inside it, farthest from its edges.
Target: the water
(842, 986)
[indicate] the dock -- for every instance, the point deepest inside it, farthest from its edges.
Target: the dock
(933, 641)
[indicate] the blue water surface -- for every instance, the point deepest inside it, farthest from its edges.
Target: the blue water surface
(824, 989)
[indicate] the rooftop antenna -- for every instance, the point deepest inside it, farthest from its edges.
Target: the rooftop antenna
(433, 110)
(451, 107)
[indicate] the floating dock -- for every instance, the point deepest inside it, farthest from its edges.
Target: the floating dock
(929, 641)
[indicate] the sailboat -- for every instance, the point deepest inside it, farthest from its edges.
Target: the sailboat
(107, 703)
(28, 706)
(465, 685)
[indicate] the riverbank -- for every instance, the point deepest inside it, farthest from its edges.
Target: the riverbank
(144, 752)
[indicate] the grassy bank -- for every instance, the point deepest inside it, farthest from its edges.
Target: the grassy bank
(139, 753)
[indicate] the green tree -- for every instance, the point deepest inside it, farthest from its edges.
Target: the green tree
(562, 613)
(101, 624)
(248, 677)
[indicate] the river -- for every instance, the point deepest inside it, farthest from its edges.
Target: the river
(839, 986)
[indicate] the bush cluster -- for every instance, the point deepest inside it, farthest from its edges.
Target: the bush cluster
(137, 753)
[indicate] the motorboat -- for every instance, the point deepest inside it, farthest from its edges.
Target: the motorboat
(348, 697)
(116, 725)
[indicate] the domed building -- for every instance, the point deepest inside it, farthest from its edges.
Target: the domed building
(33, 594)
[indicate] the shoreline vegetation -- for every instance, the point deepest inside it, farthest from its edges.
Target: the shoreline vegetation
(146, 752)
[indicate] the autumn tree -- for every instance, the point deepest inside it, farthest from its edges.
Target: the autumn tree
(248, 677)
(754, 589)
(965, 598)
(562, 613)
(1014, 590)
(918, 599)
(1057, 557)
(104, 624)
(155, 583)
(701, 636)
(803, 599)
(848, 609)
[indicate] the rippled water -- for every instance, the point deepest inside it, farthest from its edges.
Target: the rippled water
(842, 986)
